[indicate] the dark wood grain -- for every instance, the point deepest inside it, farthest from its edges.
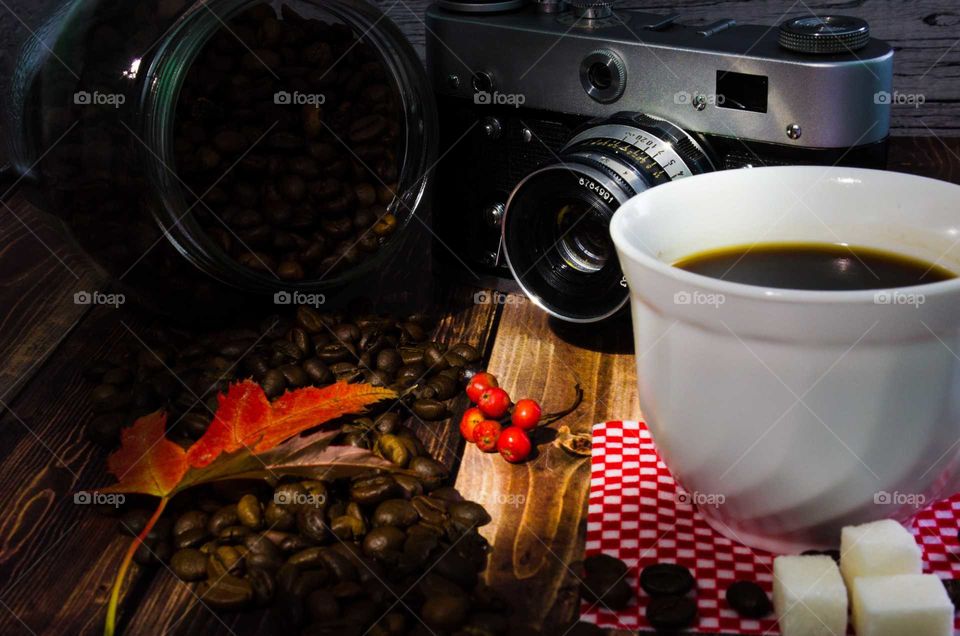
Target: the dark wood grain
(40, 276)
(57, 558)
(539, 508)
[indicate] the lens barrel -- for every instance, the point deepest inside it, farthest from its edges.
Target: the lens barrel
(556, 226)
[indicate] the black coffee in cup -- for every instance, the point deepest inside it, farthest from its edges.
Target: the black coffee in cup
(814, 266)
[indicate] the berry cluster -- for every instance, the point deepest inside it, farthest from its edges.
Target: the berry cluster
(484, 424)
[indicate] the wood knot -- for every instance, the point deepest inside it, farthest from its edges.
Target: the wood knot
(942, 19)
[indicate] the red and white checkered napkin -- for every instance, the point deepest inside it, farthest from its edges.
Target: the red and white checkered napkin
(634, 515)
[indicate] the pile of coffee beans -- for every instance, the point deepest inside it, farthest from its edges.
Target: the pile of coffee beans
(379, 554)
(383, 553)
(184, 372)
(289, 130)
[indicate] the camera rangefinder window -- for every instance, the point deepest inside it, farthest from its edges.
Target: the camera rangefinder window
(740, 91)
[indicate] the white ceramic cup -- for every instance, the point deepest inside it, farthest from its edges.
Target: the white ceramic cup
(788, 414)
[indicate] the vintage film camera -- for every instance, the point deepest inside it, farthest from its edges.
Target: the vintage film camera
(553, 114)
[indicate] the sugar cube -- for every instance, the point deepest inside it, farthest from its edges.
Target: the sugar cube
(914, 604)
(879, 548)
(809, 596)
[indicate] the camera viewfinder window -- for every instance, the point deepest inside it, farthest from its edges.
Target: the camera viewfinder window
(740, 91)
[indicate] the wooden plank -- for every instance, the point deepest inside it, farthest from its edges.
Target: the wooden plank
(539, 507)
(57, 559)
(41, 273)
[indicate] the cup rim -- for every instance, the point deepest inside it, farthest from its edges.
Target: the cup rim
(758, 292)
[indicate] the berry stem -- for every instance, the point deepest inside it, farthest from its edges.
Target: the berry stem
(550, 418)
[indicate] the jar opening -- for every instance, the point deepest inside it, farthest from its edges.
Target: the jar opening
(289, 143)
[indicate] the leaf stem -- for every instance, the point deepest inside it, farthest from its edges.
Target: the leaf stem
(111, 624)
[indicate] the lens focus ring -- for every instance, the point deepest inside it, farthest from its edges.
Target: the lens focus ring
(556, 226)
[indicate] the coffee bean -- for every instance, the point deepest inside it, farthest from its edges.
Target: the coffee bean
(249, 512)
(317, 372)
(465, 351)
(189, 564)
(604, 581)
(222, 518)
(445, 612)
(395, 512)
(226, 592)
(468, 514)
(294, 375)
(384, 543)
(311, 522)
(392, 449)
(428, 471)
(263, 585)
(273, 383)
(191, 538)
(290, 270)
(748, 599)
(310, 319)
(373, 490)
(671, 612)
(430, 410)
(230, 141)
(661, 579)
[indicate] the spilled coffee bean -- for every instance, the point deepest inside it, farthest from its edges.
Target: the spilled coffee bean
(748, 599)
(671, 612)
(604, 582)
(666, 579)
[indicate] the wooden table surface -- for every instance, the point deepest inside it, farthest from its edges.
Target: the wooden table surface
(57, 559)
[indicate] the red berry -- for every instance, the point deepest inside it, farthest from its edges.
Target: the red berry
(494, 402)
(486, 435)
(526, 414)
(479, 383)
(468, 423)
(514, 444)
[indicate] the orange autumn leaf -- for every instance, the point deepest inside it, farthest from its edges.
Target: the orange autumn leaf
(246, 424)
(244, 439)
(245, 419)
(147, 462)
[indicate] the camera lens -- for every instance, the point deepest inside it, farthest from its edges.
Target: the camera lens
(556, 226)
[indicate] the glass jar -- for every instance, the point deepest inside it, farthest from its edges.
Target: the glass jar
(222, 151)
